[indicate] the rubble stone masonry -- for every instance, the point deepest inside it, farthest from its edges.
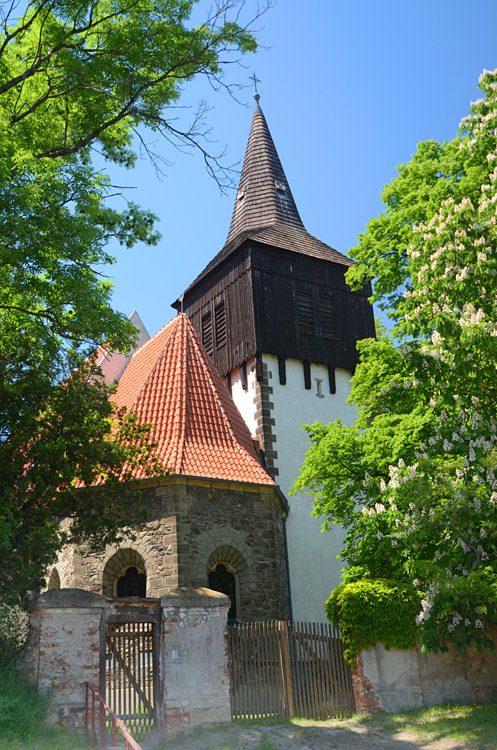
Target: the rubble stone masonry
(64, 651)
(194, 524)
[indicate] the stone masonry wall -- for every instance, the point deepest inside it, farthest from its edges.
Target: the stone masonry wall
(397, 680)
(64, 651)
(250, 523)
(194, 659)
(193, 525)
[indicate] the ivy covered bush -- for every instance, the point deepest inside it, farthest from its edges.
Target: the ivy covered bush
(374, 611)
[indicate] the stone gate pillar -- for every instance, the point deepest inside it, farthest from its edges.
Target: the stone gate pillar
(64, 650)
(194, 659)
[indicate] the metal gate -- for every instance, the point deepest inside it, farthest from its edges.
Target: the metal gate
(129, 674)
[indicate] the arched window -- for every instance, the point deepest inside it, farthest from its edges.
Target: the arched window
(222, 580)
(132, 583)
(125, 575)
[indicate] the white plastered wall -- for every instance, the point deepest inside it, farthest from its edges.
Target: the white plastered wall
(244, 399)
(314, 569)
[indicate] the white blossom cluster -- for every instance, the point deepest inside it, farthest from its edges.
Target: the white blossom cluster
(439, 507)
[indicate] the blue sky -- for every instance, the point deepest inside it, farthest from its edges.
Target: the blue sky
(348, 91)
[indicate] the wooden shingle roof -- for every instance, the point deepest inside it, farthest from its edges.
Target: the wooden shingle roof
(264, 197)
(265, 210)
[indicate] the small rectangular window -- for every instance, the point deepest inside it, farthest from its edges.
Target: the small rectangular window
(220, 324)
(305, 315)
(332, 379)
(327, 315)
(207, 333)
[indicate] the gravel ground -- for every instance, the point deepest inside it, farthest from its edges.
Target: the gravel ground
(350, 734)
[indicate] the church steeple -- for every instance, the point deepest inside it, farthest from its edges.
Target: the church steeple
(265, 211)
(264, 197)
(276, 315)
(274, 288)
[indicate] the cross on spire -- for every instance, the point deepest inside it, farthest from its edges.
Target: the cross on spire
(256, 81)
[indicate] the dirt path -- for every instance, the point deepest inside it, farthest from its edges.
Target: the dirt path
(343, 735)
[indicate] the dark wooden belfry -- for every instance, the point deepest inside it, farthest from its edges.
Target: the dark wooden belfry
(274, 288)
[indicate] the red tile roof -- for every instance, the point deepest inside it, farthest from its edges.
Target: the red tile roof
(171, 383)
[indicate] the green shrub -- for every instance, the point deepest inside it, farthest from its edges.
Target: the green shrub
(21, 710)
(374, 611)
(13, 634)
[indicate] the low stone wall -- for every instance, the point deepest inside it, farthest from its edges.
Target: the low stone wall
(397, 680)
(67, 635)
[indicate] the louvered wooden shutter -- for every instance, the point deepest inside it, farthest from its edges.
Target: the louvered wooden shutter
(304, 311)
(327, 315)
(207, 333)
(220, 324)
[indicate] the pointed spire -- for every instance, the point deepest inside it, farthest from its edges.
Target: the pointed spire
(264, 197)
(265, 210)
(257, 96)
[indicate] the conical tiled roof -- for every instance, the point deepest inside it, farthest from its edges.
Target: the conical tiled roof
(172, 384)
(265, 210)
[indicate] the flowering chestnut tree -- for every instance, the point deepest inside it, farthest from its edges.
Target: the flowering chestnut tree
(414, 482)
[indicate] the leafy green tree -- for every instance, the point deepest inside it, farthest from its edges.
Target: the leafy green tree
(76, 73)
(75, 77)
(414, 481)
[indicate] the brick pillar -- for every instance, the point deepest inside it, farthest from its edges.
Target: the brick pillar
(365, 697)
(64, 650)
(194, 659)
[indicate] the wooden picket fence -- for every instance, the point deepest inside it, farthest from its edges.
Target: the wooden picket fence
(281, 670)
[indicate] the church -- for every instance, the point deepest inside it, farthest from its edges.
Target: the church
(264, 341)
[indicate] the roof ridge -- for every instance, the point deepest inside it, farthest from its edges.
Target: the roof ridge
(157, 361)
(196, 427)
(152, 338)
(180, 449)
(235, 443)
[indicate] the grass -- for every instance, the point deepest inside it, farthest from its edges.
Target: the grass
(265, 744)
(474, 725)
(53, 738)
(21, 711)
(22, 715)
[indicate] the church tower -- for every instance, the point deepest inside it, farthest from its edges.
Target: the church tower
(275, 314)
